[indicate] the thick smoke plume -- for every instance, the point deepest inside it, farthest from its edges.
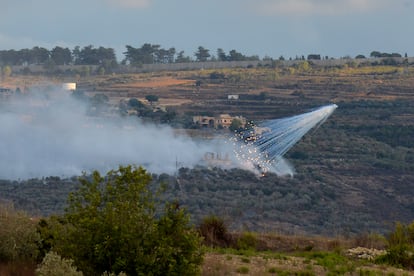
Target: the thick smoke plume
(51, 135)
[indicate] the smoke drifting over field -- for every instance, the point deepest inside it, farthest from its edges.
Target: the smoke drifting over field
(51, 136)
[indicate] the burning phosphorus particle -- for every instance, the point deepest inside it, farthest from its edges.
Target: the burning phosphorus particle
(261, 148)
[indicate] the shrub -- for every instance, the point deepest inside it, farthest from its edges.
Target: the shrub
(369, 240)
(54, 265)
(245, 260)
(217, 76)
(273, 270)
(335, 263)
(18, 237)
(243, 270)
(247, 240)
(214, 231)
(400, 246)
(112, 225)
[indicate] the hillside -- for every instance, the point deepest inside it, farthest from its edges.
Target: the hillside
(354, 174)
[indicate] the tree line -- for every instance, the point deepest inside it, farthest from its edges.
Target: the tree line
(106, 61)
(90, 55)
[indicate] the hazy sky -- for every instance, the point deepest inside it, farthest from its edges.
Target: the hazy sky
(253, 27)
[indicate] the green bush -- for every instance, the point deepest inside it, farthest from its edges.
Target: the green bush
(243, 270)
(247, 240)
(334, 262)
(112, 225)
(54, 265)
(400, 247)
(18, 237)
(245, 260)
(214, 231)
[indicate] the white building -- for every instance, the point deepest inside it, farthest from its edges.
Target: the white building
(69, 86)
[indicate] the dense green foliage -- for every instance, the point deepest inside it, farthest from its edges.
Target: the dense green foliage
(334, 262)
(400, 246)
(148, 54)
(112, 224)
(88, 55)
(18, 237)
(151, 98)
(214, 231)
(105, 57)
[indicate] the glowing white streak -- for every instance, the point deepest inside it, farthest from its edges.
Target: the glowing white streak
(265, 151)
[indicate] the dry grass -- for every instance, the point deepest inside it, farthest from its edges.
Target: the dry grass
(155, 82)
(276, 254)
(230, 264)
(22, 82)
(293, 243)
(261, 264)
(171, 102)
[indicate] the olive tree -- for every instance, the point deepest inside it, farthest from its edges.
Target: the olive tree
(117, 224)
(202, 54)
(236, 124)
(151, 98)
(7, 71)
(18, 237)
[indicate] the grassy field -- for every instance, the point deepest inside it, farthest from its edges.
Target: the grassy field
(270, 263)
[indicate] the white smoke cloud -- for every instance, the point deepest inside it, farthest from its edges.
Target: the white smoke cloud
(51, 135)
(322, 7)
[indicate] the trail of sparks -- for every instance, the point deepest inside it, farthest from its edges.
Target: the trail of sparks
(264, 145)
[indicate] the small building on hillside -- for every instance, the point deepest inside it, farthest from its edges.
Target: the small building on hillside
(233, 97)
(220, 121)
(223, 120)
(204, 121)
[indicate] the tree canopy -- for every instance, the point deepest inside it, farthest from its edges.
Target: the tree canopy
(148, 54)
(135, 56)
(88, 55)
(202, 54)
(115, 224)
(151, 98)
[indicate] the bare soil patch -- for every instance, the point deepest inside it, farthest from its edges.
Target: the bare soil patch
(154, 83)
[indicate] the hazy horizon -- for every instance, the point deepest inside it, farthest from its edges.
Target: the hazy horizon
(264, 27)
